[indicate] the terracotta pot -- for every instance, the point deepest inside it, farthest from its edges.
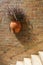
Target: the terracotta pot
(15, 26)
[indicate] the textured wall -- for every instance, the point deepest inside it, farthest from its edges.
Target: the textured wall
(12, 46)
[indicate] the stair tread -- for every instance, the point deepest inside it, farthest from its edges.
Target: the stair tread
(36, 60)
(41, 55)
(27, 61)
(19, 63)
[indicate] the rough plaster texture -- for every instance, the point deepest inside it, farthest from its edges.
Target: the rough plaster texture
(30, 40)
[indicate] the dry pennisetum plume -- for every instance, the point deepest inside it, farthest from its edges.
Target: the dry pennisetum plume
(17, 18)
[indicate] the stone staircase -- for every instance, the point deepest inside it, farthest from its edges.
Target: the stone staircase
(34, 60)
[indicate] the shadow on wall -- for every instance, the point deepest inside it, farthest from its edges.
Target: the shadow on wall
(25, 35)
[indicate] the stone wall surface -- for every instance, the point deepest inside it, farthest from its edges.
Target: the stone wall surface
(15, 47)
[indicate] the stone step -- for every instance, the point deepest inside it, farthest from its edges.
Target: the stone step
(19, 63)
(41, 55)
(27, 61)
(36, 60)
